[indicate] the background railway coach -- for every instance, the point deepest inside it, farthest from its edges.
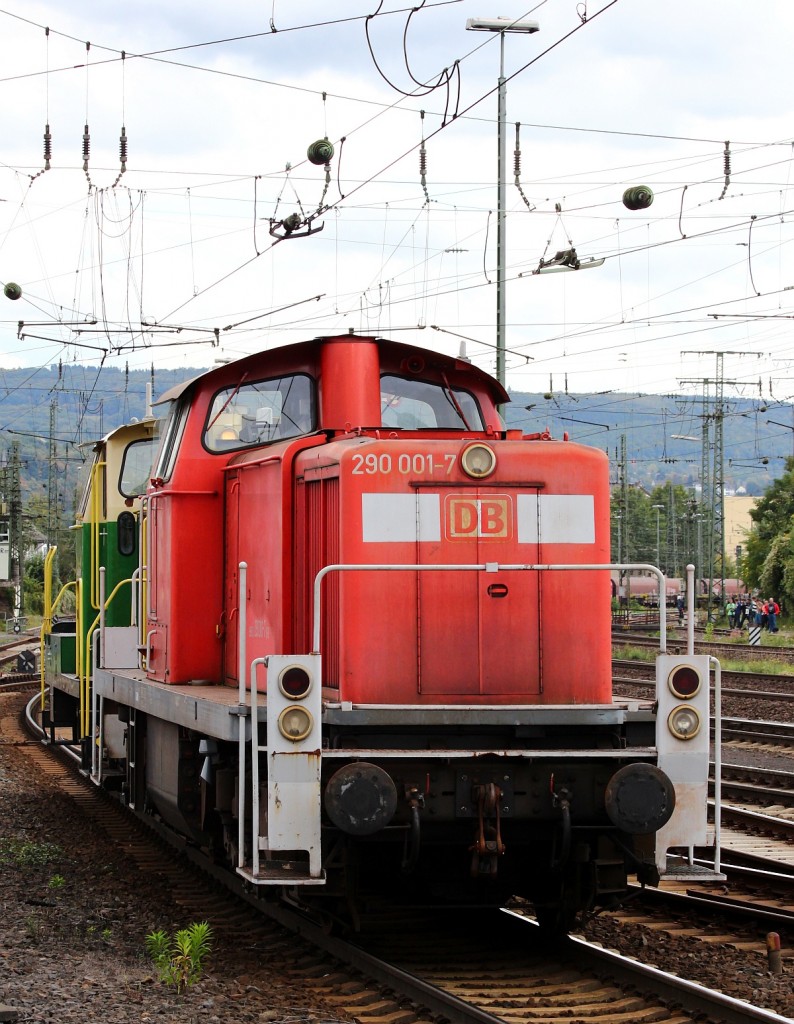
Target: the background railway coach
(375, 644)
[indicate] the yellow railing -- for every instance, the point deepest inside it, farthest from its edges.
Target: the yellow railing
(96, 522)
(143, 562)
(85, 679)
(49, 612)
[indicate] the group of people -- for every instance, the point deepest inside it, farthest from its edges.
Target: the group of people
(744, 611)
(747, 611)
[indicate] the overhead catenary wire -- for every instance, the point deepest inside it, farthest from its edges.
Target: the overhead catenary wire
(464, 285)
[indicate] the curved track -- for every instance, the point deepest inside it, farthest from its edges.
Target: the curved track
(470, 968)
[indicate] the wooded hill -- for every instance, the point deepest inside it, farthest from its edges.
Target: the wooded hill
(74, 405)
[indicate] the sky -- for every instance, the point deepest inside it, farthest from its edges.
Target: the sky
(184, 258)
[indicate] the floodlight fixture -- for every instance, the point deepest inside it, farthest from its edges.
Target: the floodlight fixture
(501, 25)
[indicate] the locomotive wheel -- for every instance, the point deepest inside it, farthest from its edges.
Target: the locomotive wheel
(561, 901)
(555, 919)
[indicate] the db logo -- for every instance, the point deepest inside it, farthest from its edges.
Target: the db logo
(479, 517)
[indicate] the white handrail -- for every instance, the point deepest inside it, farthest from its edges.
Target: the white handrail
(491, 567)
(717, 760)
(241, 615)
(255, 768)
(135, 587)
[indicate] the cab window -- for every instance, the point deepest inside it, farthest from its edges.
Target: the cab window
(410, 404)
(136, 467)
(258, 413)
(172, 435)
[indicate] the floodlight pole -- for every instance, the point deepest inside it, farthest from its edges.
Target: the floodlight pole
(501, 219)
(502, 26)
(658, 513)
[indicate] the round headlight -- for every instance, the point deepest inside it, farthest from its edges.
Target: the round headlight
(684, 722)
(684, 681)
(295, 682)
(295, 723)
(478, 460)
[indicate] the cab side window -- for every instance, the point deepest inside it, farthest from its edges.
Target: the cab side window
(172, 435)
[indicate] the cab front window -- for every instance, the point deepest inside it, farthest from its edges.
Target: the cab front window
(411, 404)
(136, 467)
(258, 413)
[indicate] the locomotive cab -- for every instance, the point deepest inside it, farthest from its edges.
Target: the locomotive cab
(108, 583)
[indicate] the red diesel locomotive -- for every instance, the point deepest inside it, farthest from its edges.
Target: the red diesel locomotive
(370, 643)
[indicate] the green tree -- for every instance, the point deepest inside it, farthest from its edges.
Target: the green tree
(34, 531)
(33, 584)
(768, 562)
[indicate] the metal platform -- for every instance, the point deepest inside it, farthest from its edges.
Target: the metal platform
(680, 870)
(210, 709)
(68, 683)
(214, 710)
(281, 874)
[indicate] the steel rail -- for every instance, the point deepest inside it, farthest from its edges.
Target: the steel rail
(670, 988)
(441, 1004)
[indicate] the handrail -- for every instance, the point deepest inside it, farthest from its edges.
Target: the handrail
(49, 613)
(135, 595)
(715, 664)
(46, 622)
(48, 560)
(96, 513)
(143, 561)
(46, 629)
(85, 680)
(490, 567)
(241, 671)
(255, 780)
(78, 660)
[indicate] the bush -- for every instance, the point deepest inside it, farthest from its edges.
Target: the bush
(179, 960)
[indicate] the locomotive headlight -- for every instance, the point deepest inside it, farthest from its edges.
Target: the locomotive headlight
(478, 460)
(295, 723)
(684, 681)
(684, 722)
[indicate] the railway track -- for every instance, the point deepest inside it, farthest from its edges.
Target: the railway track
(417, 966)
(741, 684)
(732, 651)
(764, 898)
(751, 733)
(744, 784)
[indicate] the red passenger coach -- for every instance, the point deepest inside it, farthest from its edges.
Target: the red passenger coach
(375, 644)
